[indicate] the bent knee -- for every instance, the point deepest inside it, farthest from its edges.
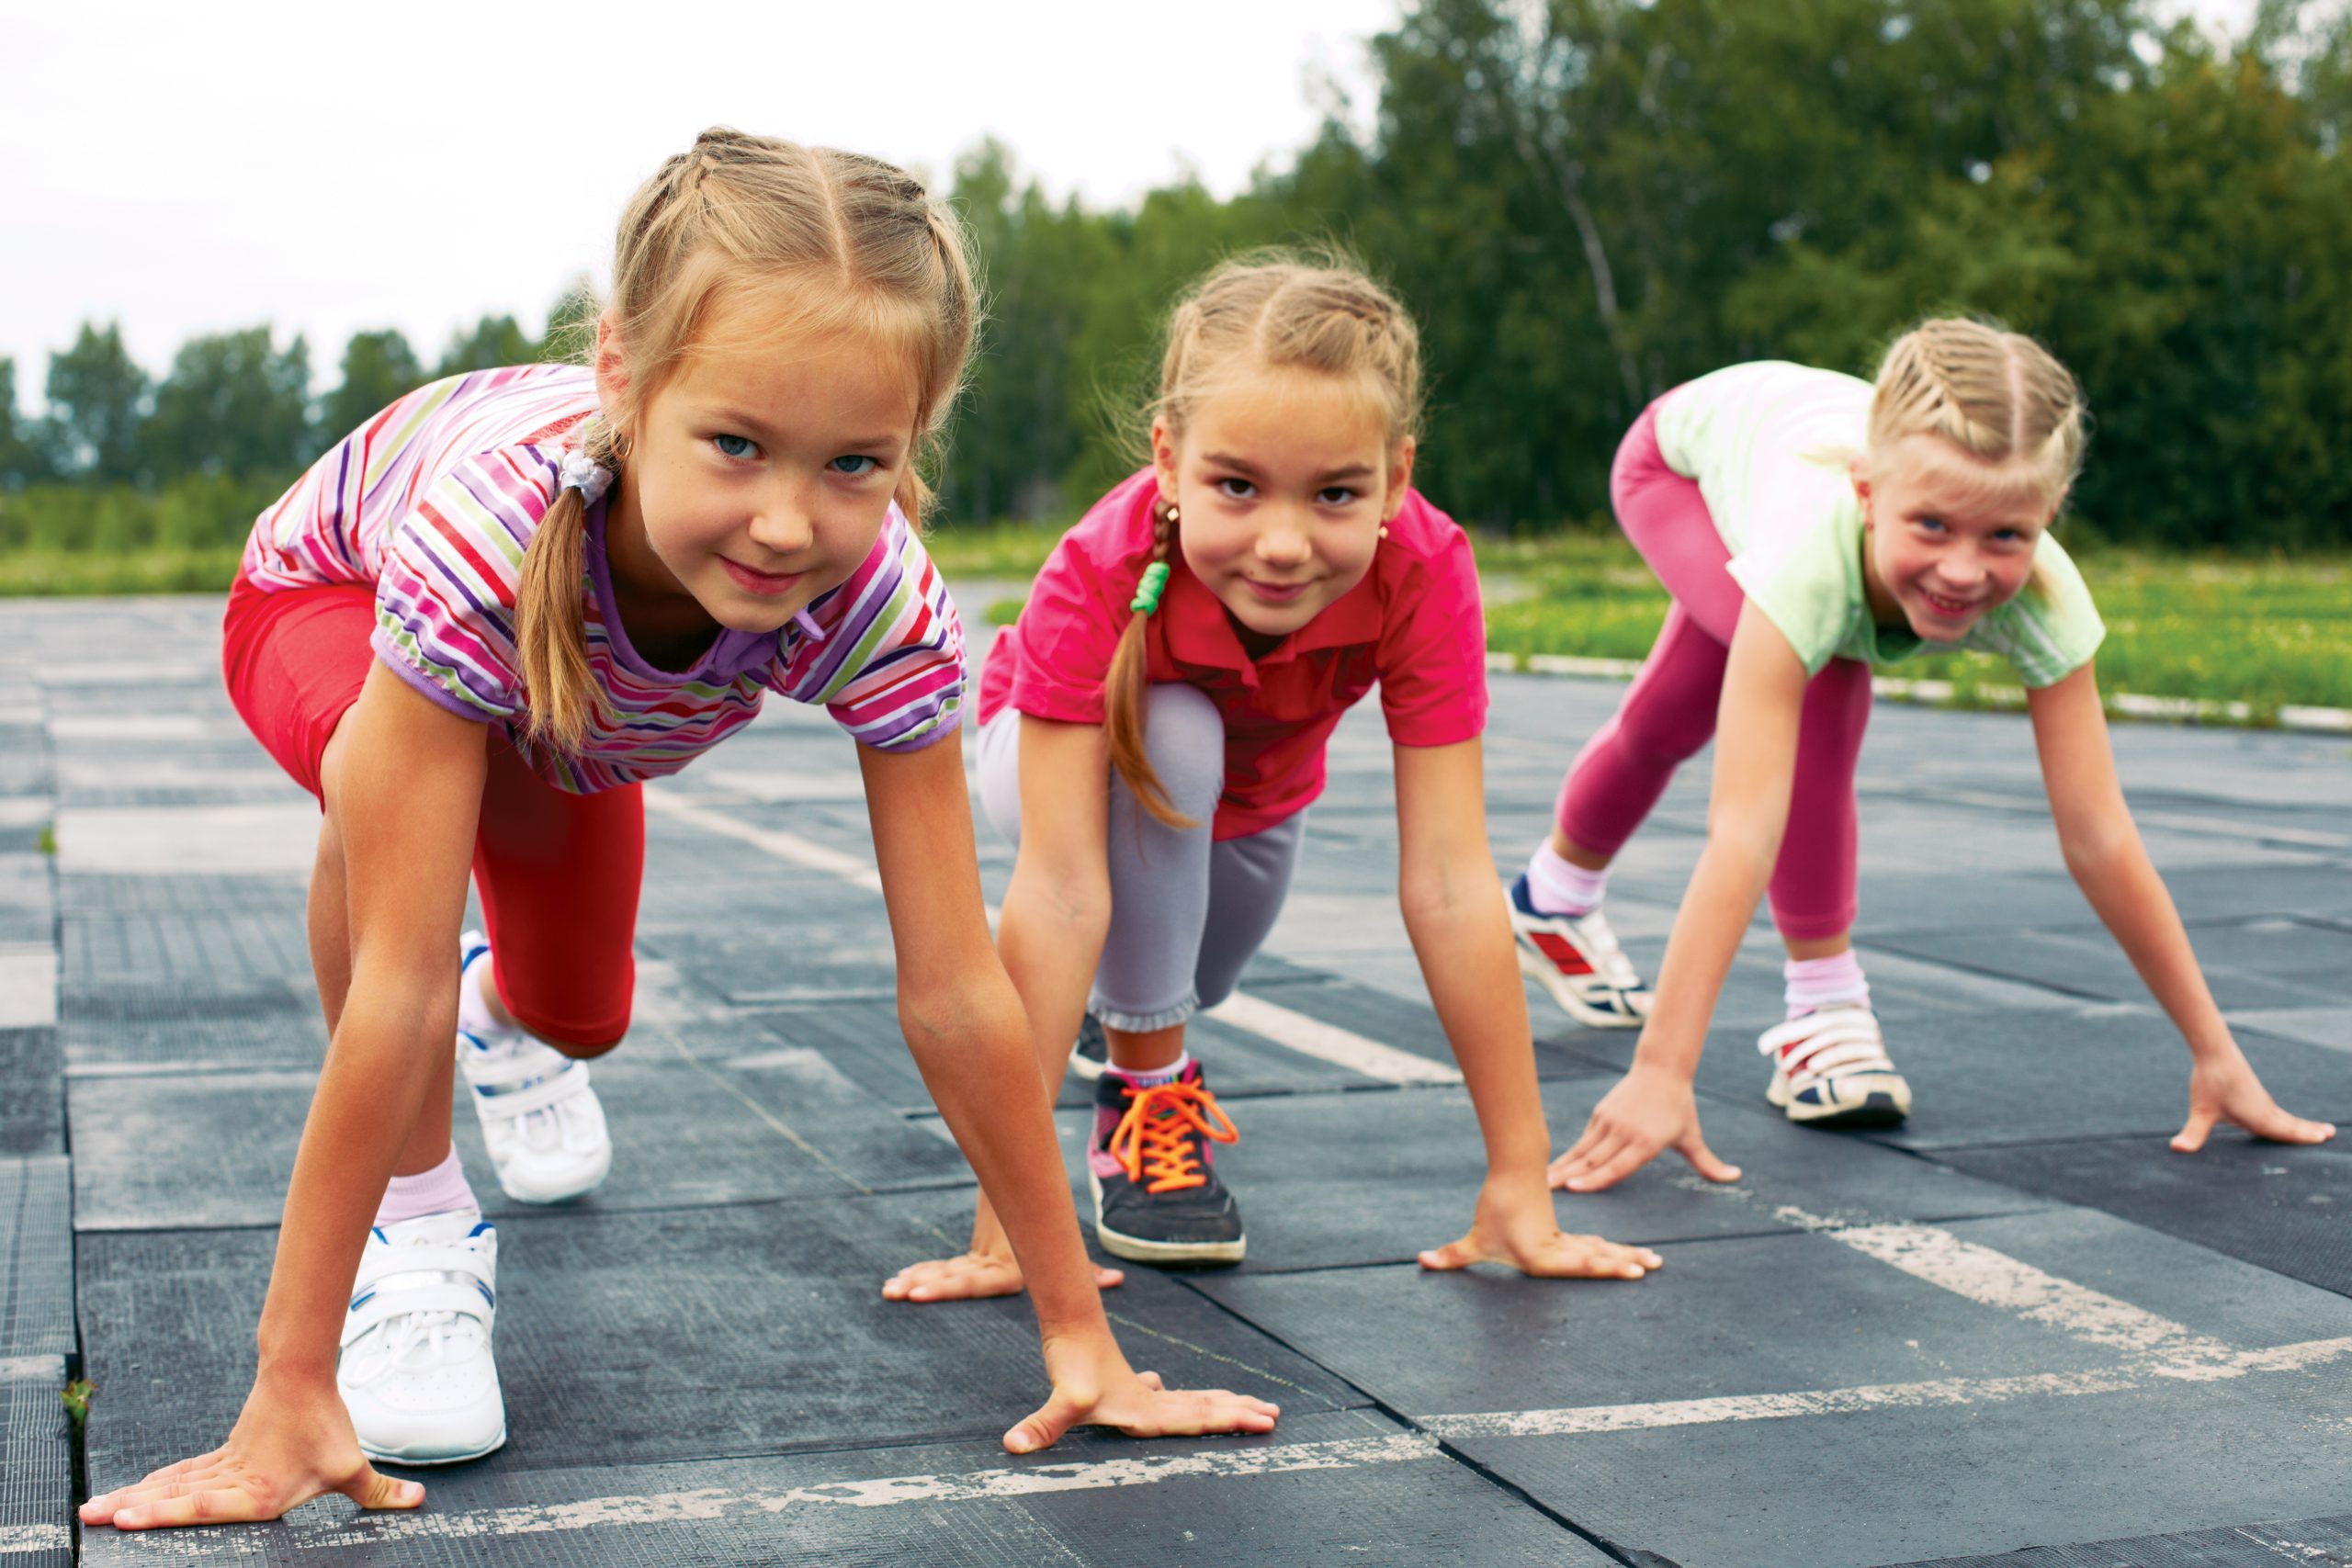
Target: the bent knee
(1184, 739)
(583, 1042)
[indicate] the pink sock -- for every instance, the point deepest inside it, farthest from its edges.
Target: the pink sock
(1815, 983)
(441, 1191)
(1557, 886)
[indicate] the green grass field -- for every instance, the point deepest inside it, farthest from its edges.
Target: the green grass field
(2264, 631)
(2267, 631)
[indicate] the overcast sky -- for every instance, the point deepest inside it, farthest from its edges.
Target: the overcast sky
(192, 168)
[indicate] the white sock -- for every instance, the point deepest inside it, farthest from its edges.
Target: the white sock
(441, 1191)
(473, 1008)
(1155, 1076)
(1816, 982)
(1556, 886)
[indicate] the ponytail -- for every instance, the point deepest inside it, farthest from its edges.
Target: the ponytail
(1123, 686)
(550, 634)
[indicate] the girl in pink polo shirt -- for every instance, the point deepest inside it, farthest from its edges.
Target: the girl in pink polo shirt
(1152, 732)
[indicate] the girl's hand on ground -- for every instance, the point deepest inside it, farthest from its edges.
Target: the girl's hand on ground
(1095, 1387)
(1552, 1255)
(970, 1277)
(302, 1448)
(1648, 1111)
(2226, 1089)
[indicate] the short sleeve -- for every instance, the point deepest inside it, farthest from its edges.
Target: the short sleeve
(1434, 650)
(445, 597)
(1066, 637)
(2052, 627)
(897, 684)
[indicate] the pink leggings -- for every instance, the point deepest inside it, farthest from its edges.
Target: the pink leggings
(1669, 711)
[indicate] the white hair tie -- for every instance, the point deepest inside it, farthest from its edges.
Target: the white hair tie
(584, 474)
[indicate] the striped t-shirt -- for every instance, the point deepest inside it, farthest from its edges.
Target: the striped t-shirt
(433, 503)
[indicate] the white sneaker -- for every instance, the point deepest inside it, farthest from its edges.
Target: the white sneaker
(542, 1123)
(417, 1371)
(1830, 1070)
(1576, 959)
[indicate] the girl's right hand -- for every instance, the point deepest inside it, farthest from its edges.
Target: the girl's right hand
(287, 1448)
(1648, 1111)
(970, 1277)
(1094, 1386)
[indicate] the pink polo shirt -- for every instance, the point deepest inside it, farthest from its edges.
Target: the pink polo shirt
(1413, 624)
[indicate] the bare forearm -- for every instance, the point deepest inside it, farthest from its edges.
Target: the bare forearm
(1465, 949)
(2132, 903)
(969, 1048)
(1715, 910)
(369, 1097)
(1050, 944)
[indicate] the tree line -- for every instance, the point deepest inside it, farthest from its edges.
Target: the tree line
(1585, 202)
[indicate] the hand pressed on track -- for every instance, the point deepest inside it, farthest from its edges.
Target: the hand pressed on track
(287, 1448)
(1094, 1386)
(1648, 1111)
(970, 1277)
(2226, 1089)
(1518, 1228)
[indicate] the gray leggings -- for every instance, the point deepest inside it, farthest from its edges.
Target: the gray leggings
(1187, 914)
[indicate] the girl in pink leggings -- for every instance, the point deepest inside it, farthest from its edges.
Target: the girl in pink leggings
(1809, 526)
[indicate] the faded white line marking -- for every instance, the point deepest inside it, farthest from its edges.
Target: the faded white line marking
(709, 1503)
(784, 846)
(1329, 1042)
(1997, 1280)
(1587, 1419)
(20, 1540)
(34, 1368)
(1293, 1031)
(27, 985)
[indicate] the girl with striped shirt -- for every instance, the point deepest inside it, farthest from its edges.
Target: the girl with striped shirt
(471, 631)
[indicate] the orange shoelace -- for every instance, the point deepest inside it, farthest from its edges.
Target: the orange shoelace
(1153, 1142)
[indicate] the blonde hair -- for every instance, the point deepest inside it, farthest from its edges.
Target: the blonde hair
(861, 247)
(1995, 395)
(1269, 310)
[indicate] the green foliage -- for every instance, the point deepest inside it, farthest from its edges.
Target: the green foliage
(75, 1397)
(379, 369)
(233, 404)
(494, 340)
(22, 458)
(98, 396)
(47, 841)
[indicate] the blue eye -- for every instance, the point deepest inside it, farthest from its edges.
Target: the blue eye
(855, 467)
(735, 446)
(1933, 525)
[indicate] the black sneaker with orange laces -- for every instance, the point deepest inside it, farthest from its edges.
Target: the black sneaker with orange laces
(1156, 1196)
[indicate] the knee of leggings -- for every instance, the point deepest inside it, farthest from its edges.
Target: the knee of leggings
(1667, 735)
(1184, 739)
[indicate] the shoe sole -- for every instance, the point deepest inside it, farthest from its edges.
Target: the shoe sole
(391, 1456)
(567, 1195)
(1539, 969)
(1086, 1067)
(1878, 1108)
(1136, 1249)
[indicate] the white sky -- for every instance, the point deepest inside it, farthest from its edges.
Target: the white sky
(189, 168)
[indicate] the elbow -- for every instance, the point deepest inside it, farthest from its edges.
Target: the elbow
(2096, 852)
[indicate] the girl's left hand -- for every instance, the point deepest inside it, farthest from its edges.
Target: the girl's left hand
(1525, 1236)
(1094, 1386)
(2222, 1088)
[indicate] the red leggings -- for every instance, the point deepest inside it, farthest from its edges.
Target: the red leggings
(1669, 711)
(559, 874)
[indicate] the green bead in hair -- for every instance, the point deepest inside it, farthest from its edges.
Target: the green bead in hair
(1146, 599)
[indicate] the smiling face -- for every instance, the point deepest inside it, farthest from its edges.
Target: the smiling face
(758, 476)
(1948, 536)
(1283, 478)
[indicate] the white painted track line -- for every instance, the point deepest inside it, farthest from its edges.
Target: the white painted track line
(1293, 1031)
(23, 1540)
(716, 1504)
(1329, 1042)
